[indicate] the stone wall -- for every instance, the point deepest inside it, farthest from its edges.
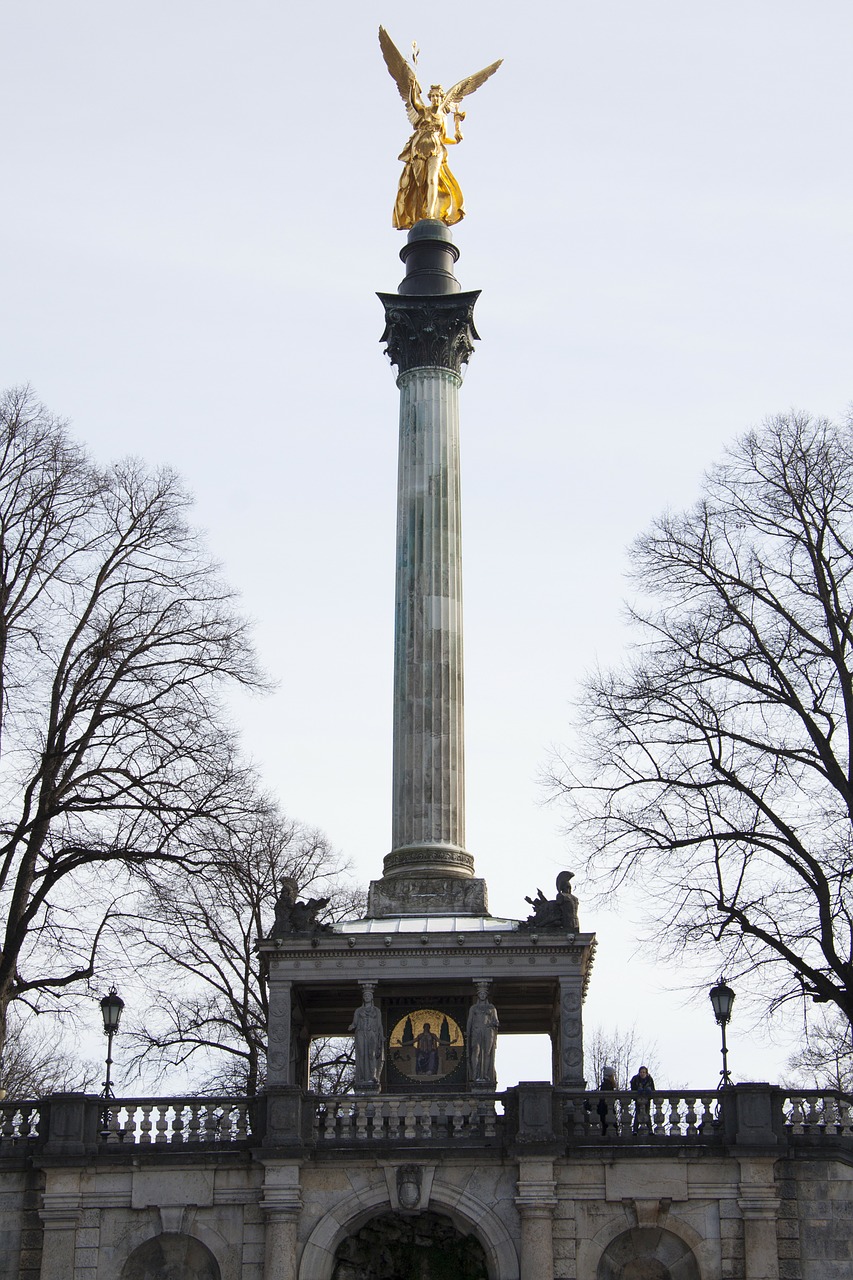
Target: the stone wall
(20, 1228)
(758, 1193)
(815, 1225)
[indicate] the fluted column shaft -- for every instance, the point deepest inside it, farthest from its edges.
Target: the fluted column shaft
(429, 767)
(429, 335)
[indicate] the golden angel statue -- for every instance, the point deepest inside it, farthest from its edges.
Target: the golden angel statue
(427, 187)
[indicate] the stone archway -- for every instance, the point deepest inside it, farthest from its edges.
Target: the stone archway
(423, 1246)
(469, 1214)
(648, 1253)
(171, 1257)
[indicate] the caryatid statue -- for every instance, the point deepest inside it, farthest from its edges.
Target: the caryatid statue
(369, 1042)
(482, 1038)
(427, 187)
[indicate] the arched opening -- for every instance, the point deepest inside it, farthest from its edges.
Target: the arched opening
(171, 1257)
(424, 1246)
(648, 1253)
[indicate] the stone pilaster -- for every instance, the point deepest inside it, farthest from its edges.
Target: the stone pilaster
(280, 1055)
(281, 1206)
(759, 1202)
(536, 1202)
(60, 1214)
(569, 1034)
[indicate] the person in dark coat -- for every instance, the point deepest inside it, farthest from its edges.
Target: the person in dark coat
(608, 1085)
(643, 1085)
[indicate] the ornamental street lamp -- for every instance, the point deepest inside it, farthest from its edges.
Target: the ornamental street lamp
(722, 998)
(111, 1007)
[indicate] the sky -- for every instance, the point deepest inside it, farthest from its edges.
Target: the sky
(195, 220)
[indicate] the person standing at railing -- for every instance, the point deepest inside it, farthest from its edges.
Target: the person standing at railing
(643, 1085)
(607, 1107)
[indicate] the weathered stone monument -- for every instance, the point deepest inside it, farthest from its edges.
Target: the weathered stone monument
(426, 1170)
(428, 951)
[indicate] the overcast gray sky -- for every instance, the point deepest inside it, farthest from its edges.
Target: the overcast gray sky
(196, 214)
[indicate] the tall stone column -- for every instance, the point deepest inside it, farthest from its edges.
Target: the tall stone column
(428, 813)
(429, 335)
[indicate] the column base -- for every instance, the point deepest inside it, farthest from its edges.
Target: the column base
(433, 895)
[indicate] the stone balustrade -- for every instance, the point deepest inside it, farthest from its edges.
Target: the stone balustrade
(684, 1115)
(178, 1122)
(409, 1118)
(535, 1113)
(812, 1112)
(20, 1124)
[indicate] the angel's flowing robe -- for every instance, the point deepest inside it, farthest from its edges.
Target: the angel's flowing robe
(425, 158)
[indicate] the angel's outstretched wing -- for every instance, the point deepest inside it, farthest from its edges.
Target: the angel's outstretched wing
(467, 86)
(402, 74)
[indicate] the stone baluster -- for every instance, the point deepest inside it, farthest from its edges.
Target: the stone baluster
(225, 1123)
(845, 1118)
(657, 1116)
(690, 1116)
(194, 1122)
(161, 1124)
(424, 1120)
(331, 1117)
(145, 1123)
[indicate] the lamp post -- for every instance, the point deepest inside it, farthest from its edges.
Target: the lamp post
(111, 1007)
(722, 998)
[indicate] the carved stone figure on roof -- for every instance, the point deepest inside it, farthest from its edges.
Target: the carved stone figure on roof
(560, 913)
(293, 916)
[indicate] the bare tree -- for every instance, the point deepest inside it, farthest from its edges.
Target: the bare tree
(34, 1063)
(717, 775)
(116, 636)
(196, 937)
(826, 1059)
(624, 1050)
